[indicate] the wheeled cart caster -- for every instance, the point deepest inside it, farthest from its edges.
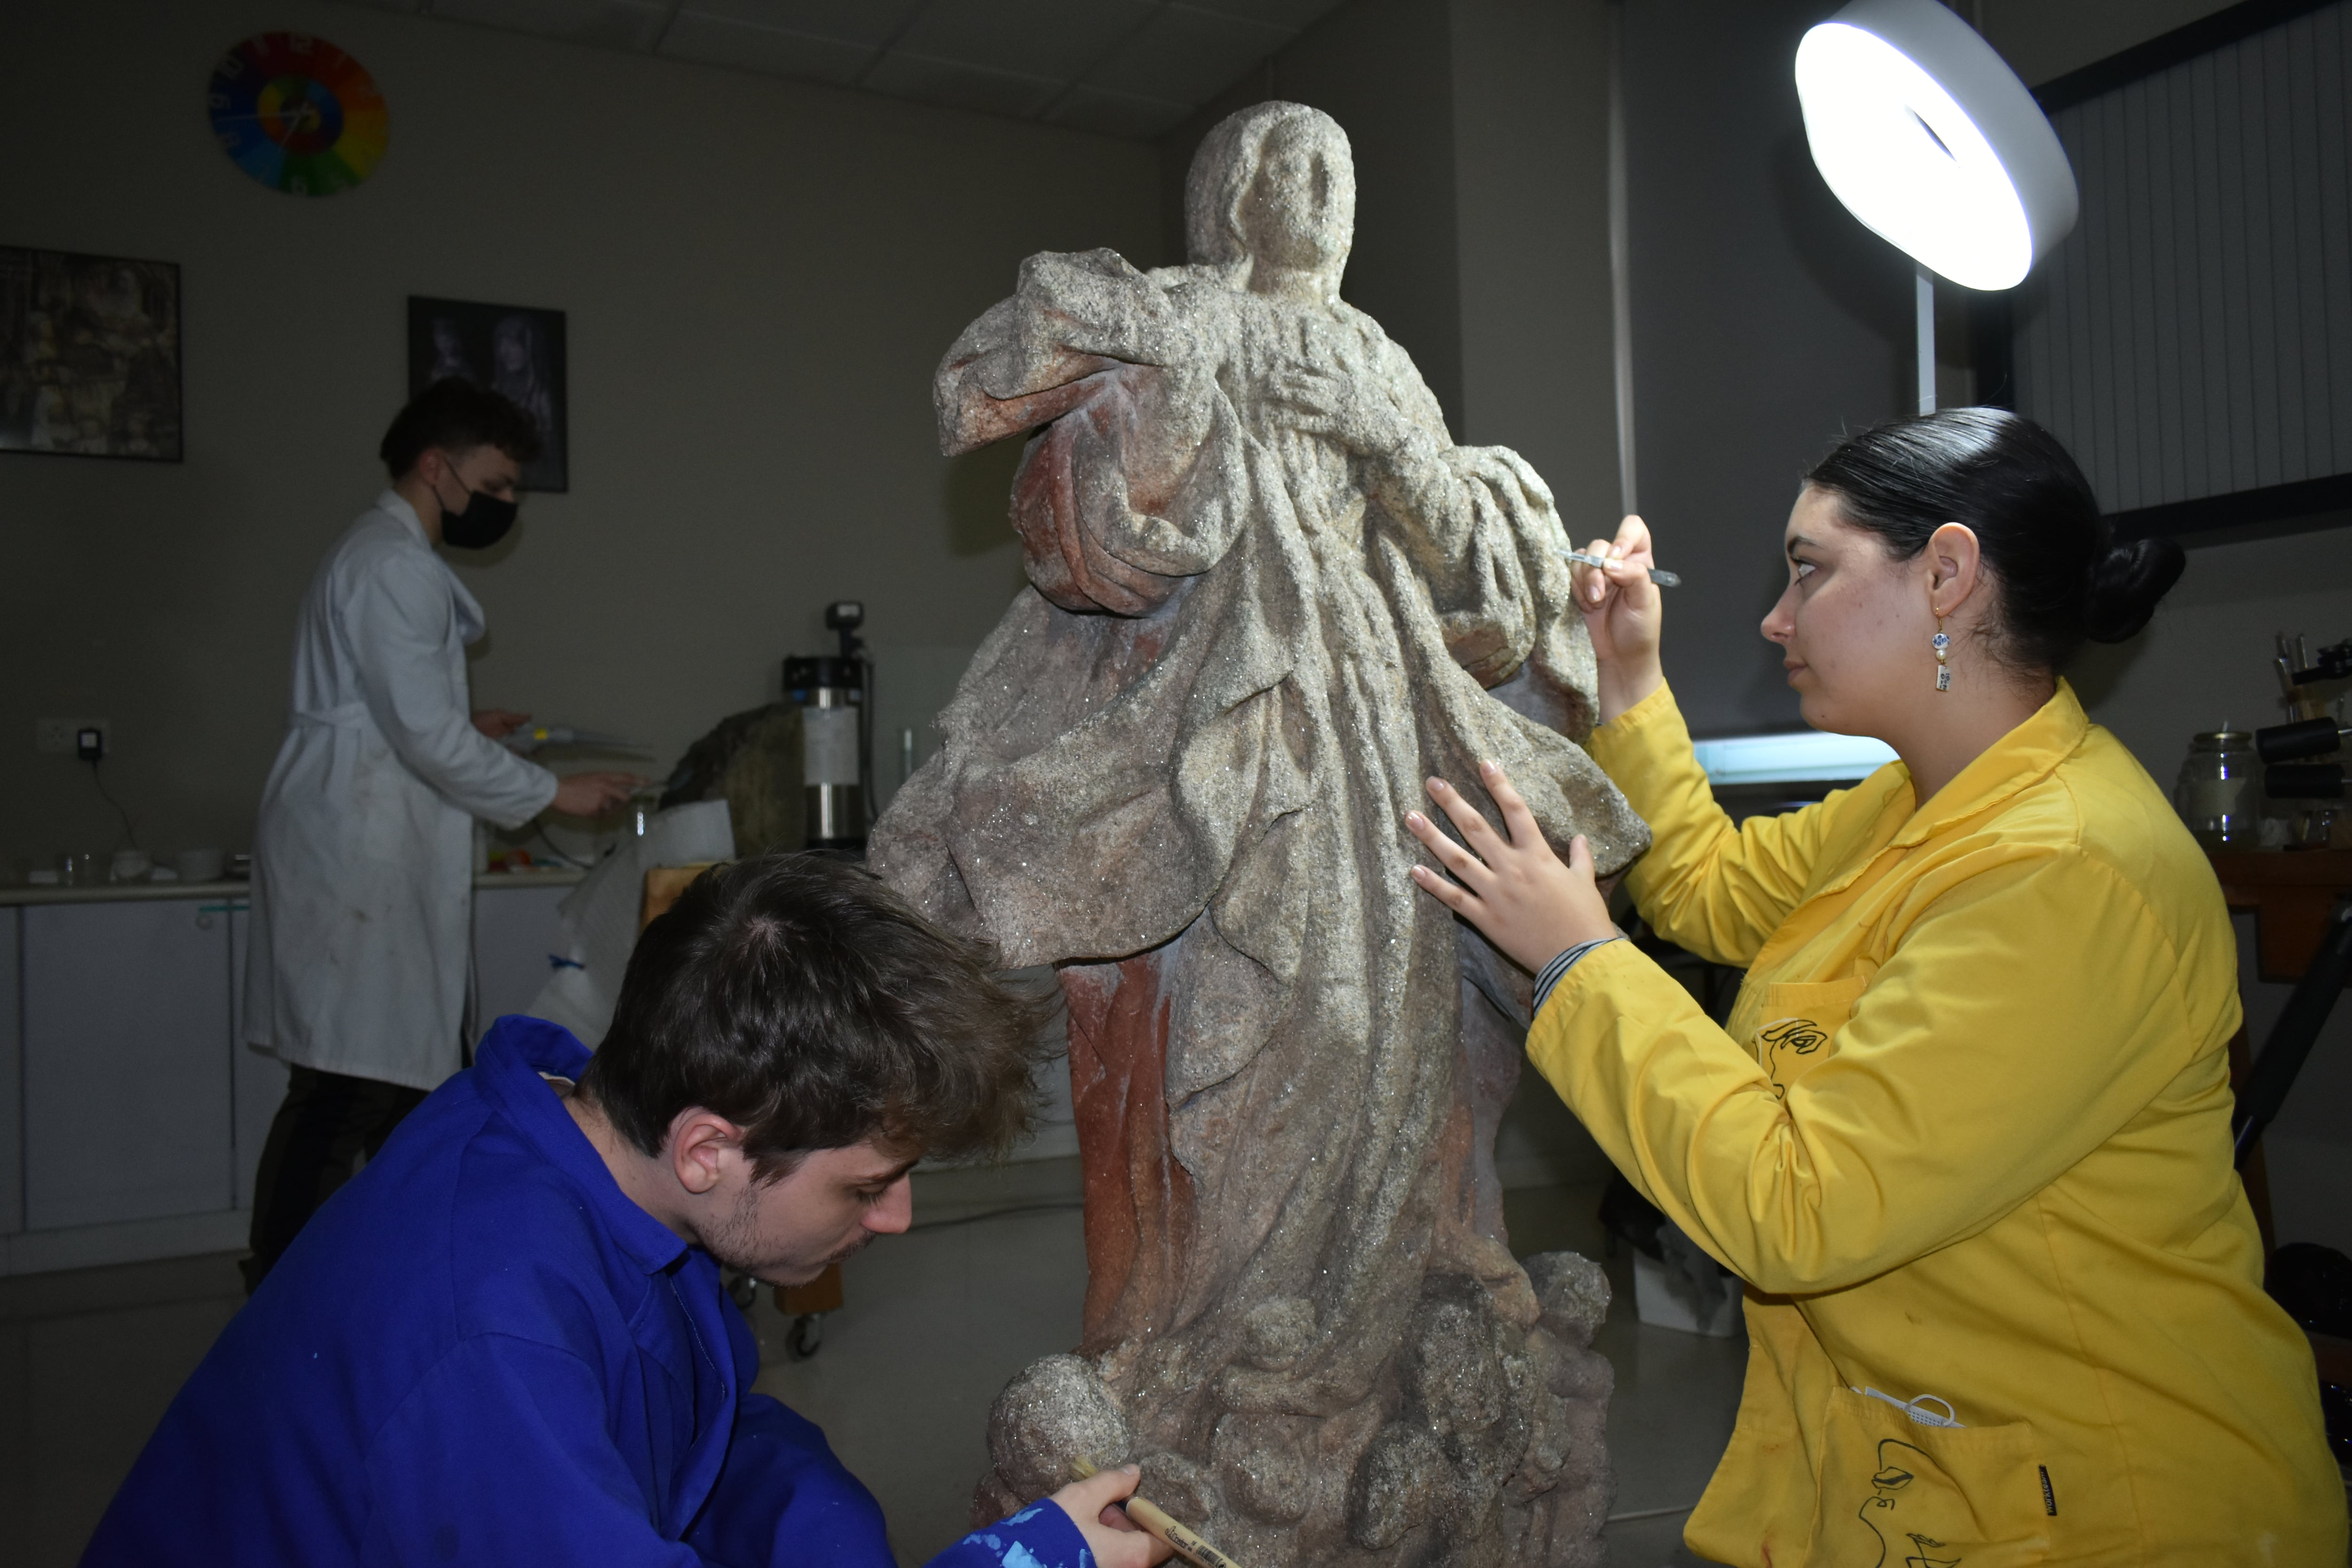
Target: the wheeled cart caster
(806, 1306)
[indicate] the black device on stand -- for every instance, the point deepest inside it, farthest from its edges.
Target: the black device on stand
(2304, 760)
(836, 695)
(2288, 750)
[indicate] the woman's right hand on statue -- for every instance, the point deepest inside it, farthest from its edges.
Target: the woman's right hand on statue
(1528, 901)
(1622, 609)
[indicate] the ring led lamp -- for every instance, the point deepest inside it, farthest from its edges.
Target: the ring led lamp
(1928, 137)
(1931, 141)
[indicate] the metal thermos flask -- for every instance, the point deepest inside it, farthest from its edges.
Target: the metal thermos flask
(831, 695)
(832, 692)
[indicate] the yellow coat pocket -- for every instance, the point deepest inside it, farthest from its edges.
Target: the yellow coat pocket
(1799, 1027)
(1897, 1493)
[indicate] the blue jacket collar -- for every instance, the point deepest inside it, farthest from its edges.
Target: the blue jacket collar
(507, 1068)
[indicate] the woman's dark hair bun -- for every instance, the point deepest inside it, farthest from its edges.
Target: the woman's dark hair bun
(2126, 584)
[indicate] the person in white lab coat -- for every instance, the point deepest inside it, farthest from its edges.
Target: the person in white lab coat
(356, 975)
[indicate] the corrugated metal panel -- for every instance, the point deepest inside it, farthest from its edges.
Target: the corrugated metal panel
(2193, 337)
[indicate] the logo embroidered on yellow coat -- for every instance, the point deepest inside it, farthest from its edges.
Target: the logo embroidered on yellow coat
(1804, 1020)
(1792, 1038)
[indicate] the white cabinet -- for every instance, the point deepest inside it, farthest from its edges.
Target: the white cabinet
(256, 1082)
(132, 1114)
(126, 1072)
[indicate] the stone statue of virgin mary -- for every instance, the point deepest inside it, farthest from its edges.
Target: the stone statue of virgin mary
(1269, 598)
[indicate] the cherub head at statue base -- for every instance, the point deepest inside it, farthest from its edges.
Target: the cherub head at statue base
(1492, 1452)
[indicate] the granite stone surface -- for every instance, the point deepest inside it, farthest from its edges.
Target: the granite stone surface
(1269, 596)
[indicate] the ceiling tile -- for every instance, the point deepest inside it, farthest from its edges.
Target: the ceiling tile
(616, 24)
(709, 40)
(1295, 14)
(1122, 67)
(870, 22)
(1186, 57)
(1116, 113)
(903, 75)
(1055, 39)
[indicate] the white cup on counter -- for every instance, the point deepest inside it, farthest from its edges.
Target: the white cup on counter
(200, 865)
(129, 866)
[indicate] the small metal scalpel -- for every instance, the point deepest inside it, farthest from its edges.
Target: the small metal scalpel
(1662, 579)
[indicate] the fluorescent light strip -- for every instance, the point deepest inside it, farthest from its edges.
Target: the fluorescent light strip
(1806, 756)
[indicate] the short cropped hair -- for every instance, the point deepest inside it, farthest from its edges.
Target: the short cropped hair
(803, 999)
(456, 416)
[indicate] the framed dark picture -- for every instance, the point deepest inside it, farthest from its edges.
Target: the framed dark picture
(89, 355)
(513, 350)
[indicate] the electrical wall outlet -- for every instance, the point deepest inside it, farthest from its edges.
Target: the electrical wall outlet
(62, 737)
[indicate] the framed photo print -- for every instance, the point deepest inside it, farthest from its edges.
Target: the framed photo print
(513, 350)
(89, 355)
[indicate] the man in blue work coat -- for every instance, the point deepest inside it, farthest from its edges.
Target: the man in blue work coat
(507, 1341)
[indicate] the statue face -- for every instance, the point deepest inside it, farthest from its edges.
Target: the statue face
(1300, 211)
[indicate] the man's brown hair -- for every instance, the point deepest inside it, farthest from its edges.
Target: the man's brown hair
(455, 416)
(803, 999)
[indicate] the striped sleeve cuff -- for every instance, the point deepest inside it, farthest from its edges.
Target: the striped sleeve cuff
(1556, 970)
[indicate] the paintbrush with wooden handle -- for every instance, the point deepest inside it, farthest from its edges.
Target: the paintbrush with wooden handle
(1155, 1519)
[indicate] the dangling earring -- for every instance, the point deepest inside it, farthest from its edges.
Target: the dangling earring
(1943, 646)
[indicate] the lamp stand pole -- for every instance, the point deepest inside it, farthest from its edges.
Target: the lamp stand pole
(1924, 313)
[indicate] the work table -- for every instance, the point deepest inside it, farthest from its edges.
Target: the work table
(236, 887)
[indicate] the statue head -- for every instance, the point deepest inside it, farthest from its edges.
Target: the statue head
(1273, 186)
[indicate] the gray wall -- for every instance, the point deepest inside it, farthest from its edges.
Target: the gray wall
(760, 278)
(1764, 321)
(1531, 204)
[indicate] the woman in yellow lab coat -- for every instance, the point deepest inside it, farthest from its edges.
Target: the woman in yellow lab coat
(1967, 1138)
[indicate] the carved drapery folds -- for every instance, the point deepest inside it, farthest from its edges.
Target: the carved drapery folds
(1269, 596)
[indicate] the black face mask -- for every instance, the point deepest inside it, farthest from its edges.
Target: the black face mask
(483, 524)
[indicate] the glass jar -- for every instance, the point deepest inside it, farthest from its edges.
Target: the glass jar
(2219, 794)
